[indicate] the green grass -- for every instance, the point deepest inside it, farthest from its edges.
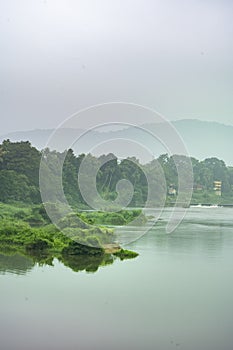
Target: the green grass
(27, 229)
(122, 217)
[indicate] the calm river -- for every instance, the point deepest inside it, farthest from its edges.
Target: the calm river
(178, 294)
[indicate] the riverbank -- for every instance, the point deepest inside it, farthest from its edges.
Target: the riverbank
(29, 231)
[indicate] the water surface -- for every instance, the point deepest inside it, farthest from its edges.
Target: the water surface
(178, 294)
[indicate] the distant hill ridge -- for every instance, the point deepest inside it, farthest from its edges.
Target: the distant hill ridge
(203, 139)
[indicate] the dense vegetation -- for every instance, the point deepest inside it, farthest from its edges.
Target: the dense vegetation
(19, 176)
(122, 217)
(27, 229)
(18, 229)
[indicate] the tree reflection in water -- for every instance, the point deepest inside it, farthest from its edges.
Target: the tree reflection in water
(21, 263)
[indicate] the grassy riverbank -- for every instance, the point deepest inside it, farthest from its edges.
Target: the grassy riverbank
(28, 229)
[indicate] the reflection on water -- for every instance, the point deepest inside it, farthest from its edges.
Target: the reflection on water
(176, 295)
(88, 264)
(22, 263)
(203, 231)
(15, 263)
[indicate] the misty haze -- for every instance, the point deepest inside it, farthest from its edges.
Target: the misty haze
(116, 175)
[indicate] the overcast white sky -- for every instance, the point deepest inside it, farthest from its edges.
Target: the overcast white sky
(59, 56)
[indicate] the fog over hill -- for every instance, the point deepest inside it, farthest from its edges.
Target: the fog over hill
(202, 139)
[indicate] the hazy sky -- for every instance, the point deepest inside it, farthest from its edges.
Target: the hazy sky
(59, 56)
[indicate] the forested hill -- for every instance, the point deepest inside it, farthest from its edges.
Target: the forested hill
(203, 139)
(20, 162)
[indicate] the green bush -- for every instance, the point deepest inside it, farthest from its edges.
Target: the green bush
(38, 244)
(75, 248)
(121, 217)
(125, 254)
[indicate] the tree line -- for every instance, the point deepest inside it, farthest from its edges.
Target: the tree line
(20, 163)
